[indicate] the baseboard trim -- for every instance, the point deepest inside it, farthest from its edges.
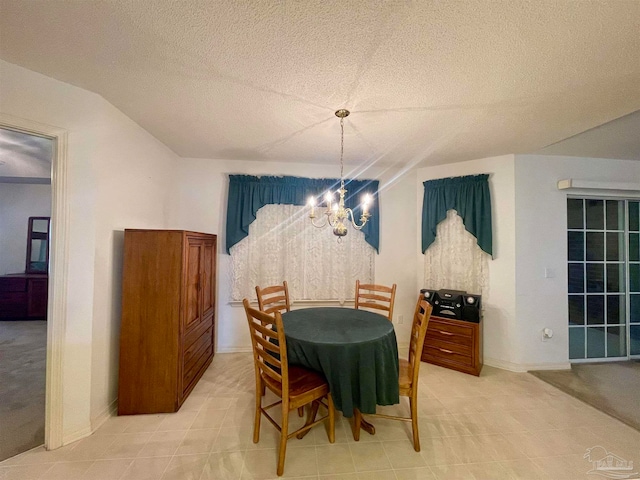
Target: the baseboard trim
(550, 366)
(77, 435)
(95, 423)
(103, 416)
(524, 367)
(233, 350)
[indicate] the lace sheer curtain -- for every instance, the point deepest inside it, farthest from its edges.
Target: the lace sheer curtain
(283, 245)
(455, 261)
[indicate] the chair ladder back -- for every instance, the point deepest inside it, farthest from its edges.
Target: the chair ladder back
(418, 332)
(269, 345)
(377, 297)
(268, 351)
(274, 298)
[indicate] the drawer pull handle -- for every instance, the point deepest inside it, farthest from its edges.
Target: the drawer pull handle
(446, 333)
(445, 351)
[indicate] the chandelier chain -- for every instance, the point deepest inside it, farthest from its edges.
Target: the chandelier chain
(337, 215)
(342, 150)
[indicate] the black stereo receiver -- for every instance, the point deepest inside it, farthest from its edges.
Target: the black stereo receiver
(454, 304)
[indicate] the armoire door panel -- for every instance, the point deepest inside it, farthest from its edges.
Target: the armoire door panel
(193, 313)
(208, 286)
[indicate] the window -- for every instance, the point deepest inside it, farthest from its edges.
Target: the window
(283, 245)
(455, 261)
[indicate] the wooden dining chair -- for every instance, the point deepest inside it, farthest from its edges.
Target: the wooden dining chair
(408, 372)
(376, 297)
(295, 386)
(274, 298)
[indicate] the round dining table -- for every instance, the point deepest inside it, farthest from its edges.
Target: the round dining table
(355, 350)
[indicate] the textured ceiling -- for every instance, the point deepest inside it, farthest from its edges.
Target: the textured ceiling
(428, 82)
(619, 138)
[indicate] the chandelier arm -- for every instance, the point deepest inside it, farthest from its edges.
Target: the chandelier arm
(320, 225)
(351, 217)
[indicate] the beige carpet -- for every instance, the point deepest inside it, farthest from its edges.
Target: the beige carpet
(613, 387)
(22, 385)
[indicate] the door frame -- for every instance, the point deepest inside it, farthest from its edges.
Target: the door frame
(58, 273)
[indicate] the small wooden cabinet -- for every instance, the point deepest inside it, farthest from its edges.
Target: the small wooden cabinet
(23, 296)
(167, 333)
(455, 344)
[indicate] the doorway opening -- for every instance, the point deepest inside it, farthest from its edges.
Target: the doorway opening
(25, 211)
(57, 271)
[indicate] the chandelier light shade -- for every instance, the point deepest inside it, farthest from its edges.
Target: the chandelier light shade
(336, 215)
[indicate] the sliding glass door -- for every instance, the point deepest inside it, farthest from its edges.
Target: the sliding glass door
(634, 277)
(603, 239)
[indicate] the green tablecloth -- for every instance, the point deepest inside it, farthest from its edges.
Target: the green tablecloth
(356, 351)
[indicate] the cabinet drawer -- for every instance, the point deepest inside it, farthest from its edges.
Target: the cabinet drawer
(13, 305)
(462, 348)
(13, 284)
(192, 352)
(447, 355)
(193, 370)
(195, 332)
(443, 335)
(444, 328)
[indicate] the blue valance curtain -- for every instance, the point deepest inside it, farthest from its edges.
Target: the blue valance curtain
(247, 194)
(469, 196)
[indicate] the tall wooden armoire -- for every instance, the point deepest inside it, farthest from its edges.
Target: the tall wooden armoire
(167, 333)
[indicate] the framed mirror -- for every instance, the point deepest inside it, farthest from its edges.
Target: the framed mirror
(38, 245)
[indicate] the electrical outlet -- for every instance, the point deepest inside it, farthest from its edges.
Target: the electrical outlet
(400, 319)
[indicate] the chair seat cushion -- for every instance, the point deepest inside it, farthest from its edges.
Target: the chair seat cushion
(405, 374)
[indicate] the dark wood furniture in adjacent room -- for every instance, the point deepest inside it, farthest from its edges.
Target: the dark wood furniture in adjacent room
(455, 344)
(167, 334)
(23, 296)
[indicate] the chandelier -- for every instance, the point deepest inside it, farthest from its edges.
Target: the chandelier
(335, 214)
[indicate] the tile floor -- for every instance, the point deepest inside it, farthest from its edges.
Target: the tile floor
(501, 425)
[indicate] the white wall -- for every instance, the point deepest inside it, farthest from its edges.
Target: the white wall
(135, 187)
(118, 176)
(541, 242)
(201, 206)
(499, 321)
(529, 236)
(18, 202)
